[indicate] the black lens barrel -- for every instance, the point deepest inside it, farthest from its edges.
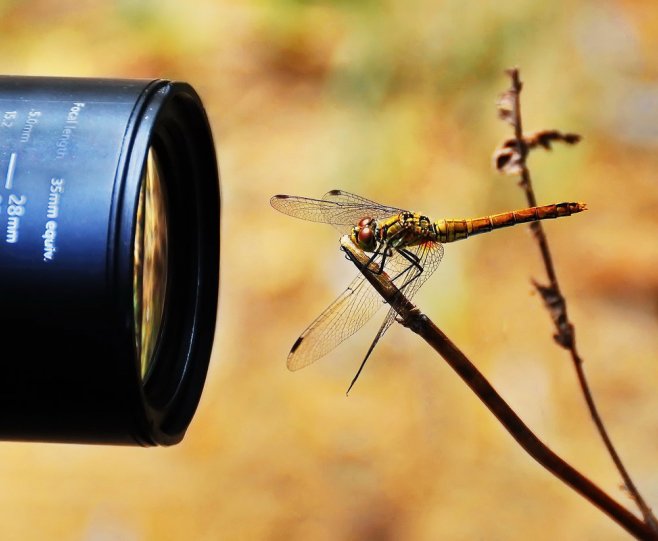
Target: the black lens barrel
(72, 158)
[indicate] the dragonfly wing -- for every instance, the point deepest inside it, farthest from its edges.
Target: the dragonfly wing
(341, 209)
(348, 199)
(346, 315)
(305, 208)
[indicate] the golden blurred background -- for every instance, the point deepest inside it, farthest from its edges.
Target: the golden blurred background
(394, 101)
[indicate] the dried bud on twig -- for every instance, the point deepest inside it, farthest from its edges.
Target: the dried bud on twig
(507, 159)
(505, 106)
(554, 302)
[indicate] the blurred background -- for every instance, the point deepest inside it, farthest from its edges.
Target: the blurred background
(394, 101)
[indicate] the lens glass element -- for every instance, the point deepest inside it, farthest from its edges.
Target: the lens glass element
(150, 263)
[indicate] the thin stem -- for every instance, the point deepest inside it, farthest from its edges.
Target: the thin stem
(411, 317)
(557, 305)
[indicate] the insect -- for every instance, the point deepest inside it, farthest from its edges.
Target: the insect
(406, 245)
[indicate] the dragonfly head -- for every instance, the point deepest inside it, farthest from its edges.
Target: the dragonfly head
(364, 234)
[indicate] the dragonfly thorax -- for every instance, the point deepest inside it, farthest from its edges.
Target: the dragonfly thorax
(364, 234)
(399, 231)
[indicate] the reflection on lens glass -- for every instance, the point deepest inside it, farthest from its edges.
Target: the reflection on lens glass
(150, 263)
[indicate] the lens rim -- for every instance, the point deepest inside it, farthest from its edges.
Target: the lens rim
(173, 122)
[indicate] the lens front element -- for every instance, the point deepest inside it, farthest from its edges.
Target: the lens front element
(151, 262)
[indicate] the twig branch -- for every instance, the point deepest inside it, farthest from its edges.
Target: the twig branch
(551, 294)
(419, 323)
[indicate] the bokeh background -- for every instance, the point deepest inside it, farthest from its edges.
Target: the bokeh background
(395, 101)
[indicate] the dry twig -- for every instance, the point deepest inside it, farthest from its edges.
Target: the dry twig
(516, 151)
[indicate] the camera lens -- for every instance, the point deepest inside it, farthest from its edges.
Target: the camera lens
(109, 259)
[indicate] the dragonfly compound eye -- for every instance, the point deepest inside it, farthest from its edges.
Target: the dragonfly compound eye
(363, 222)
(366, 238)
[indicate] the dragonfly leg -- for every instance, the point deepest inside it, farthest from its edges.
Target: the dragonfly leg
(383, 250)
(390, 245)
(414, 261)
(411, 257)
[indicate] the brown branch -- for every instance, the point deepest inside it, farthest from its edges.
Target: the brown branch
(419, 323)
(510, 110)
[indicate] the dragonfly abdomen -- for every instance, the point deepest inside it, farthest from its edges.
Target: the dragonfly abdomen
(453, 230)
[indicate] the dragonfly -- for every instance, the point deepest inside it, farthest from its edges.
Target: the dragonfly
(407, 246)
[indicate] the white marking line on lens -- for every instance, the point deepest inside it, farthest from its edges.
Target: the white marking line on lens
(9, 183)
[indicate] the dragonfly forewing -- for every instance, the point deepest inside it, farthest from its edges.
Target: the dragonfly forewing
(341, 209)
(351, 200)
